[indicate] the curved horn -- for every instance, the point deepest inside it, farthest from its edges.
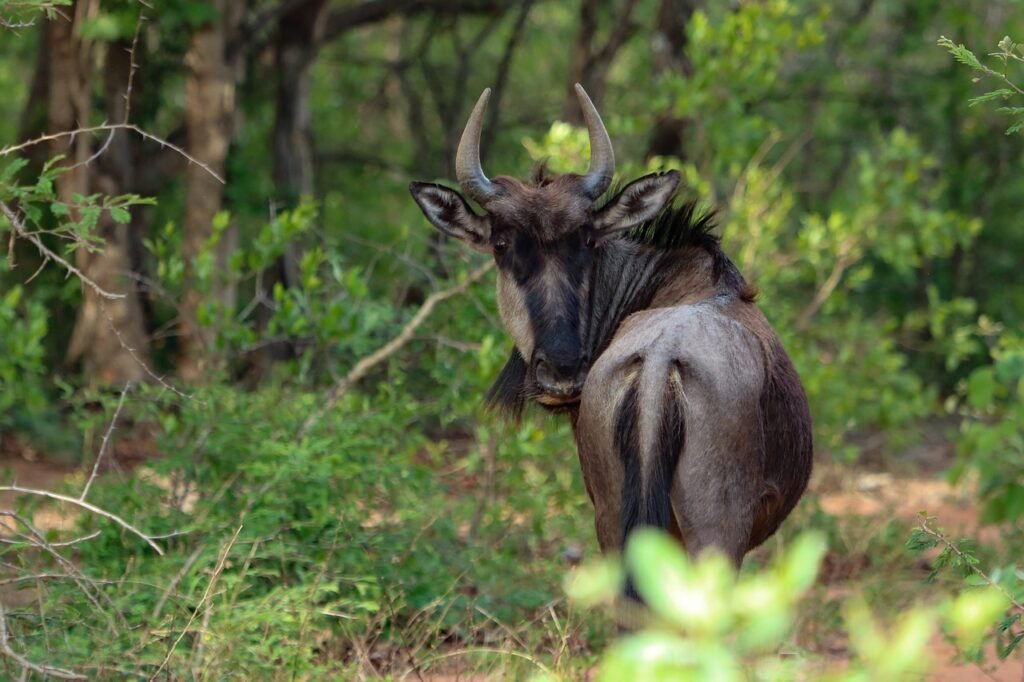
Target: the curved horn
(602, 156)
(468, 170)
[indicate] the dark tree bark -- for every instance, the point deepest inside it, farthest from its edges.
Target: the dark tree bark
(591, 59)
(372, 11)
(106, 332)
(34, 115)
(110, 335)
(298, 39)
(299, 33)
(669, 54)
(210, 117)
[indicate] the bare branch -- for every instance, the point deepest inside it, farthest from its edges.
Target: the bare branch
(85, 584)
(66, 543)
(363, 367)
(10, 149)
(148, 539)
(132, 68)
(131, 351)
(106, 441)
(173, 585)
(218, 569)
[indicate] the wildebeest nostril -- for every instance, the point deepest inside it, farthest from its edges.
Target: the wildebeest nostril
(557, 378)
(545, 374)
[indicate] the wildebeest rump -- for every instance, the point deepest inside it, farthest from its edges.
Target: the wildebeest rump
(627, 316)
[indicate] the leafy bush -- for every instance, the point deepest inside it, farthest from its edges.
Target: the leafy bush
(23, 372)
(991, 442)
(707, 623)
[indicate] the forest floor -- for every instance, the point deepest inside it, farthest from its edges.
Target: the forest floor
(864, 501)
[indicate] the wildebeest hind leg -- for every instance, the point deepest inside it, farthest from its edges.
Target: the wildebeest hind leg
(714, 493)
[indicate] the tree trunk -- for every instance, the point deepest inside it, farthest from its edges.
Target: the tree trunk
(106, 332)
(669, 54)
(298, 39)
(34, 115)
(591, 60)
(210, 112)
(299, 33)
(110, 335)
(582, 68)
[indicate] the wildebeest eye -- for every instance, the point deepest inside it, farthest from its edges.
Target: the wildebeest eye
(500, 244)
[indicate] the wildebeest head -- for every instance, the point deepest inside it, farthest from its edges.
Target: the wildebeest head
(546, 237)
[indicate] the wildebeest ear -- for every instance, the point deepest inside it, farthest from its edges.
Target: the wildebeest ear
(448, 211)
(640, 200)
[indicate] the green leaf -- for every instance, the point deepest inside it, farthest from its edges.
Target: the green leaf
(692, 597)
(596, 582)
(120, 215)
(662, 657)
(1004, 652)
(974, 613)
(981, 388)
(11, 169)
(961, 53)
(799, 567)
(1001, 93)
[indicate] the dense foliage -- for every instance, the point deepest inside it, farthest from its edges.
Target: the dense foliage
(310, 523)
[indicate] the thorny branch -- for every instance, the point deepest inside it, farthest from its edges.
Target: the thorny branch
(48, 254)
(32, 536)
(145, 368)
(941, 537)
(133, 67)
(84, 583)
(10, 149)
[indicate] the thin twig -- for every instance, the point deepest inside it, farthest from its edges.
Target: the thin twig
(218, 569)
(47, 253)
(941, 537)
(10, 149)
(173, 585)
(367, 363)
(84, 582)
(66, 543)
(140, 362)
(844, 259)
(132, 67)
(41, 668)
(106, 441)
(148, 539)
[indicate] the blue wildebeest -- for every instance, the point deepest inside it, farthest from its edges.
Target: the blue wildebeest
(628, 317)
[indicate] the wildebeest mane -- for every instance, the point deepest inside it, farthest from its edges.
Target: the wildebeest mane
(677, 227)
